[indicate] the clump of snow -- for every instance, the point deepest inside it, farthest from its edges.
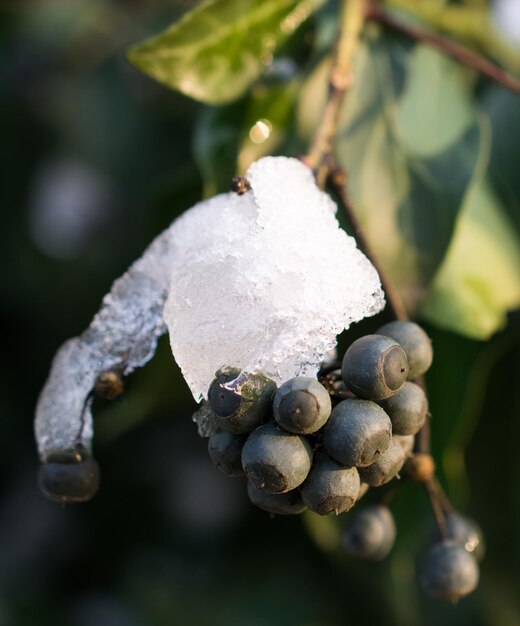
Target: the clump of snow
(264, 281)
(123, 336)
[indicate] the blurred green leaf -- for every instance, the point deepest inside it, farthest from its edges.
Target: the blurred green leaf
(228, 139)
(218, 49)
(410, 157)
(479, 280)
(429, 125)
(267, 121)
(416, 151)
(470, 24)
(215, 145)
(503, 108)
(323, 530)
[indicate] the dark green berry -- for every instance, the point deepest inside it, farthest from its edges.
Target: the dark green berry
(240, 410)
(464, 532)
(224, 401)
(407, 409)
(330, 487)
(357, 432)
(225, 450)
(448, 571)
(69, 476)
(374, 367)
(276, 461)
(289, 503)
(302, 405)
(370, 533)
(385, 467)
(414, 341)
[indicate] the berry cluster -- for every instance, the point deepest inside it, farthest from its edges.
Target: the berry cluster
(321, 445)
(316, 446)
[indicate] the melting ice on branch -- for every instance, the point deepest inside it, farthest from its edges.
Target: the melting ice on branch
(262, 281)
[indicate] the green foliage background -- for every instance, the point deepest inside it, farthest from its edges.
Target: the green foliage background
(432, 154)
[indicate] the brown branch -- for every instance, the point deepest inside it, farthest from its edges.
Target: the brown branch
(451, 48)
(352, 20)
(445, 501)
(336, 182)
(438, 512)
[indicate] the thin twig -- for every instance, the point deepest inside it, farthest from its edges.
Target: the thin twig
(453, 49)
(422, 440)
(445, 501)
(352, 20)
(440, 519)
(336, 183)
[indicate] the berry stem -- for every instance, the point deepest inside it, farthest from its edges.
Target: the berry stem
(432, 487)
(352, 20)
(460, 53)
(336, 181)
(422, 439)
(445, 502)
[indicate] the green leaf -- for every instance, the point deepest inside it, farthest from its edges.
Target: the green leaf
(429, 125)
(410, 147)
(268, 118)
(479, 280)
(228, 139)
(472, 24)
(215, 145)
(504, 113)
(217, 50)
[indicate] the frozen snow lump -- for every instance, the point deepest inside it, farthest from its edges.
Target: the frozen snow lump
(266, 280)
(261, 281)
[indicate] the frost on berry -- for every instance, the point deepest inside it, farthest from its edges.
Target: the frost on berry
(262, 281)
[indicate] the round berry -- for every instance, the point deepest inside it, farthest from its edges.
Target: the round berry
(385, 467)
(225, 450)
(240, 410)
(374, 367)
(370, 533)
(276, 461)
(414, 341)
(289, 503)
(357, 432)
(302, 405)
(69, 476)
(407, 409)
(224, 401)
(448, 571)
(464, 532)
(330, 487)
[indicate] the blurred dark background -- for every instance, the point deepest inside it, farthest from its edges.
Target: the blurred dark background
(96, 160)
